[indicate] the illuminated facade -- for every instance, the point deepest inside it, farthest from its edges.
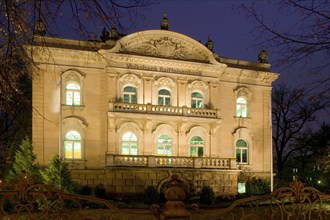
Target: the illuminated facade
(127, 113)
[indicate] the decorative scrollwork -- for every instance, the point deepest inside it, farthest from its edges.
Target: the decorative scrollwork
(24, 199)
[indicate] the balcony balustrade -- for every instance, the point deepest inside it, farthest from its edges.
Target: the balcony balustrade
(159, 109)
(170, 161)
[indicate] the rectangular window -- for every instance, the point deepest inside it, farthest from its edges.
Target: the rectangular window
(68, 149)
(77, 150)
(126, 98)
(69, 98)
(133, 149)
(76, 98)
(244, 156)
(134, 101)
(125, 149)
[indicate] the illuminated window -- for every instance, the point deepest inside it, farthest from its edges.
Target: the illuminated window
(164, 97)
(129, 94)
(72, 145)
(129, 144)
(196, 147)
(196, 100)
(72, 94)
(241, 107)
(164, 145)
(241, 152)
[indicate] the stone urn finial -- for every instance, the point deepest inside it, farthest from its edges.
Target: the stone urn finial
(175, 195)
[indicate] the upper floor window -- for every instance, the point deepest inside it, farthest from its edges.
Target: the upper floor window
(129, 144)
(129, 94)
(241, 107)
(164, 145)
(196, 147)
(164, 97)
(72, 145)
(72, 94)
(241, 152)
(196, 100)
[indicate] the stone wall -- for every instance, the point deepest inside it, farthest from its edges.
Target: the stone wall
(134, 180)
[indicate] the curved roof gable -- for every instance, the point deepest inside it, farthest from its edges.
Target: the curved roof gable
(164, 44)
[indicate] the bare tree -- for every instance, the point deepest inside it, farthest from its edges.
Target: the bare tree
(304, 34)
(21, 20)
(293, 110)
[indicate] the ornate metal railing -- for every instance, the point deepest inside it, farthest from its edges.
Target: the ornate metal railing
(295, 202)
(23, 199)
(171, 161)
(159, 109)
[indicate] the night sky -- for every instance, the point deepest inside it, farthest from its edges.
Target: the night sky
(233, 32)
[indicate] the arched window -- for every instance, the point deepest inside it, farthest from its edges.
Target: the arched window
(196, 147)
(241, 152)
(164, 145)
(241, 107)
(72, 94)
(72, 145)
(196, 100)
(129, 95)
(129, 144)
(164, 97)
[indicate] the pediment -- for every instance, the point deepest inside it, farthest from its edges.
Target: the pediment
(164, 44)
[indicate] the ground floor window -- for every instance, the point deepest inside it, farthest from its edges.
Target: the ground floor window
(72, 145)
(164, 145)
(129, 144)
(241, 152)
(196, 147)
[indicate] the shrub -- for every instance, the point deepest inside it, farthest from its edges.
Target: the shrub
(100, 192)
(207, 196)
(58, 175)
(257, 186)
(85, 190)
(151, 195)
(25, 161)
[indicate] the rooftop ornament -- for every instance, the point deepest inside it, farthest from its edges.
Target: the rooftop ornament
(164, 23)
(40, 28)
(114, 33)
(263, 56)
(210, 44)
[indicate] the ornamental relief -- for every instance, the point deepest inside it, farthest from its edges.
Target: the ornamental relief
(199, 85)
(165, 82)
(166, 47)
(130, 78)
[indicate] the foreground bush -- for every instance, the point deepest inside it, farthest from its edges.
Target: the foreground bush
(207, 196)
(151, 195)
(257, 186)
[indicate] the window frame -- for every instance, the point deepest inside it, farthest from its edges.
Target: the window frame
(197, 146)
(73, 93)
(130, 94)
(163, 145)
(129, 143)
(72, 142)
(166, 98)
(242, 109)
(195, 100)
(239, 152)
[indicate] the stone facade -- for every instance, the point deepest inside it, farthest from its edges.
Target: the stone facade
(127, 112)
(134, 180)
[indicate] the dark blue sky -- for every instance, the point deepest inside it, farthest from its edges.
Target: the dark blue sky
(235, 35)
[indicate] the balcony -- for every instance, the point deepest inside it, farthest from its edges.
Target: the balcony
(170, 161)
(167, 110)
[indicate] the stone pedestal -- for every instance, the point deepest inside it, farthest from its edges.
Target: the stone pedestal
(175, 207)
